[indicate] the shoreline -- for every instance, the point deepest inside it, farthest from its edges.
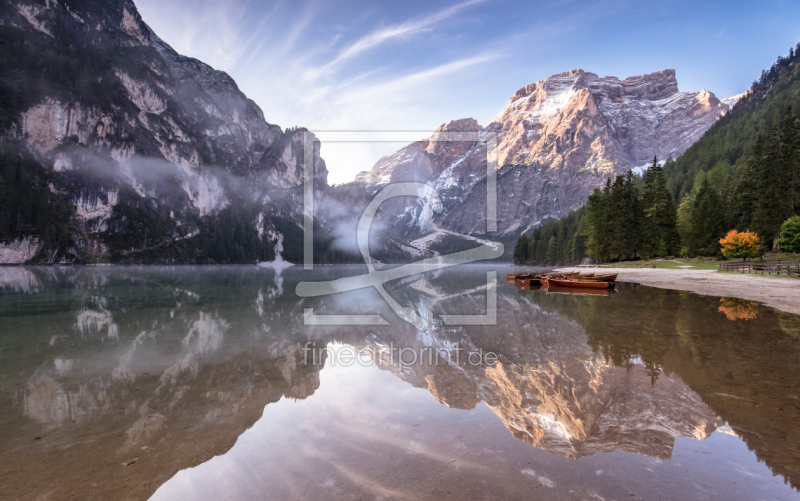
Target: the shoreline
(779, 293)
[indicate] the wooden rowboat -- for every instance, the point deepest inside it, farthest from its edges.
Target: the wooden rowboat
(610, 277)
(510, 277)
(566, 274)
(575, 291)
(583, 284)
(527, 282)
(570, 273)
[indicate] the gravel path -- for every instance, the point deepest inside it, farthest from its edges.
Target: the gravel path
(780, 293)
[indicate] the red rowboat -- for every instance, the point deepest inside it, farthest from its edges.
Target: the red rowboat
(574, 291)
(584, 284)
(609, 277)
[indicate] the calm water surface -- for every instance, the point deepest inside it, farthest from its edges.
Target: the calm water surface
(193, 383)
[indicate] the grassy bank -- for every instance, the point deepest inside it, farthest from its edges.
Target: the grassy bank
(674, 264)
(705, 264)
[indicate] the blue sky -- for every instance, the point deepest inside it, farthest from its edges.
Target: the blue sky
(413, 65)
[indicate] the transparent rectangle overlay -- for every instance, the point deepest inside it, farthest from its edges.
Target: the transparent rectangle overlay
(376, 278)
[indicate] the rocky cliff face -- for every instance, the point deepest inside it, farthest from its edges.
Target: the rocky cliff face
(176, 381)
(141, 126)
(173, 395)
(557, 140)
(551, 389)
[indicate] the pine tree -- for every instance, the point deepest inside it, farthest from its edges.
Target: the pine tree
(552, 246)
(520, 249)
(708, 224)
(596, 231)
(531, 257)
(790, 151)
(745, 196)
(579, 238)
(773, 206)
(624, 217)
(659, 215)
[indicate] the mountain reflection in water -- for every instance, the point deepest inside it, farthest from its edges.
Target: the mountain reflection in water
(115, 379)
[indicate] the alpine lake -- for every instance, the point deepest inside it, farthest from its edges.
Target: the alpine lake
(221, 383)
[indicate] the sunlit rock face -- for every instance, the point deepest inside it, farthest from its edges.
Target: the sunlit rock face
(424, 161)
(19, 251)
(189, 113)
(169, 128)
(147, 371)
(557, 140)
(161, 390)
(550, 388)
(20, 280)
(576, 418)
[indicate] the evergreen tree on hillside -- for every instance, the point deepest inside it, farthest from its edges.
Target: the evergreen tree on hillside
(597, 231)
(521, 249)
(745, 195)
(659, 234)
(613, 220)
(733, 136)
(744, 174)
(624, 217)
(551, 249)
(773, 206)
(578, 239)
(554, 242)
(684, 225)
(790, 151)
(28, 207)
(532, 249)
(708, 224)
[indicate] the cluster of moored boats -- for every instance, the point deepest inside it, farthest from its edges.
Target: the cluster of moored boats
(560, 282)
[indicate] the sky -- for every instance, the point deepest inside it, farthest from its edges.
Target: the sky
(413, 65)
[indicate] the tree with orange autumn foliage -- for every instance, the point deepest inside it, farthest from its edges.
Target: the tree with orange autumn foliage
(740, 244)
(738, 309)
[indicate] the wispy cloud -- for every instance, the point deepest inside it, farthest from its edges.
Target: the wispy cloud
(416, 81)
(291, 60)
(402, 30)
(358, 64)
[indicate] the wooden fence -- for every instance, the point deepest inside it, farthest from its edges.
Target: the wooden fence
(763, 268)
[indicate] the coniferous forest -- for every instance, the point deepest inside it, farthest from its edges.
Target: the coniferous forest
(743, 174)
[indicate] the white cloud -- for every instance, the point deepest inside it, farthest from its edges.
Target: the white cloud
(402, 30)
(332, 66)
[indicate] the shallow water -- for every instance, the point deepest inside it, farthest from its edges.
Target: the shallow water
(193, 383)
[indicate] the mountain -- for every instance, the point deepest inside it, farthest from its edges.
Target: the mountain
(175, 382)
(747, 160)
(207, 385)
(557, 140)
(726, 147)
(117, 148)
(564, 396)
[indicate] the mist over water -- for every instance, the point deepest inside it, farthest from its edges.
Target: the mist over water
(197, 383)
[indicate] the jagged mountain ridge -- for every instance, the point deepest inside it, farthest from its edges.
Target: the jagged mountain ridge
(557, 140)
(157, 129)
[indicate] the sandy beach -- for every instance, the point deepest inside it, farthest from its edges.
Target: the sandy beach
(781, 293)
